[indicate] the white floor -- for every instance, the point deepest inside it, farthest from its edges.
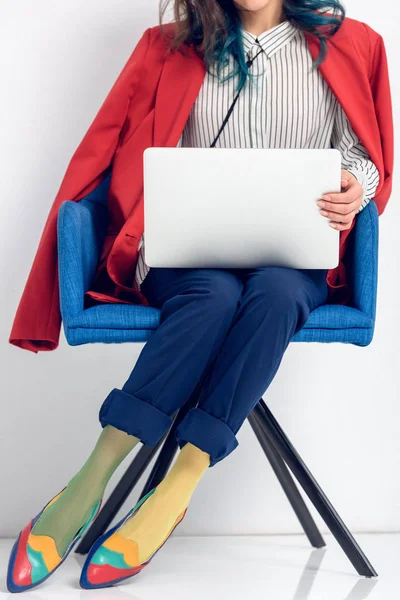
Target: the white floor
(237, 568)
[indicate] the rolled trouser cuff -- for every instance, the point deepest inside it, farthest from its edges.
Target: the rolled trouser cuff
(207, 433)
(134, 416)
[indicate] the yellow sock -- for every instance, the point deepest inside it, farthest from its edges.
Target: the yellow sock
(152, 523)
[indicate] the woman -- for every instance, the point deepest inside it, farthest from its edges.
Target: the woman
(232, 325)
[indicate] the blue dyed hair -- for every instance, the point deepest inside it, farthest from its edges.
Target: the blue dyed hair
(214, 27)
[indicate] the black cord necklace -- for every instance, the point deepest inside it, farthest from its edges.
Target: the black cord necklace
(228, 114)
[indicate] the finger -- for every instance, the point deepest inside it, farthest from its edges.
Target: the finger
(340, 226)
(339, 218)
(341, 197)
(349, 195)
(342, 209)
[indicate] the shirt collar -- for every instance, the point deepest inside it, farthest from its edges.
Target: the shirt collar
(270, 40)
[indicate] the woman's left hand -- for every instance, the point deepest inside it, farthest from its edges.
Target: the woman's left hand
(341, 207)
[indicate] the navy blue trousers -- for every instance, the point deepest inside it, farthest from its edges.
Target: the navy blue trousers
(231, 326)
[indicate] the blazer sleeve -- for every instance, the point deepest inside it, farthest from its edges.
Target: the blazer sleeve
(381, 93)
(355, 158)
(37, 322)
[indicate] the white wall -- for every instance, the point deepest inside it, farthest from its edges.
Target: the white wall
(338, 403)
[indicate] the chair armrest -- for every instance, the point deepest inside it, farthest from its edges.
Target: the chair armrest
(81, 229)
(363, 261)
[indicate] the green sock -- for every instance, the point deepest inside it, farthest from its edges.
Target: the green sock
(63, 519)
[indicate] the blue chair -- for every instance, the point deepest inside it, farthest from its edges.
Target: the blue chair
(82, 227)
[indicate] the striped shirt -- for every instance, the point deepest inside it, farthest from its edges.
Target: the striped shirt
(286, 106)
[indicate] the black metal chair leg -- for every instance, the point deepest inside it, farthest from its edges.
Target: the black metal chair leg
(289, 487)
(314, 491)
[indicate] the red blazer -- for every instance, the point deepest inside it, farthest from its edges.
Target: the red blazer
(148, 106)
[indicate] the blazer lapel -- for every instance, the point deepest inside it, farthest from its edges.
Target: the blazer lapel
(179, 85)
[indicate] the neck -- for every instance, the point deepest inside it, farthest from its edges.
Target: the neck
(258, 21)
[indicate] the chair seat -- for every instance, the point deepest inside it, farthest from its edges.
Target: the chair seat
(113, 323)
(82, 227)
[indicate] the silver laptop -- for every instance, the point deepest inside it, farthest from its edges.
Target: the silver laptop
(239, 208)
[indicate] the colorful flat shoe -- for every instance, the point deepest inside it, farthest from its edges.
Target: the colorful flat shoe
(34, 558)
(113, 559)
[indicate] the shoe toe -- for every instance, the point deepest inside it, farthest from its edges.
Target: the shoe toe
(115, 559)
(107, 575)
(33, 559)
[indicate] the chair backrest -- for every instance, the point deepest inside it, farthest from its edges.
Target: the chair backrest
(362, 260)
(81, 230)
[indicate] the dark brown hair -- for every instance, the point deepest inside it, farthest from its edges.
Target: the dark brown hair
(212, 27)
(200, 24)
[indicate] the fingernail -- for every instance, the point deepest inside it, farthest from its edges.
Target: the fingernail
(325, 198)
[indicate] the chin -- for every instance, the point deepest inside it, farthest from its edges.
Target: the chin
(251, 5)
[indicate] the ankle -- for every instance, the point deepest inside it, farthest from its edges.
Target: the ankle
(192, 459)
(94, 486)
(188, 469)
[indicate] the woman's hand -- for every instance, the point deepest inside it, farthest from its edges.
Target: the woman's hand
(342, 206)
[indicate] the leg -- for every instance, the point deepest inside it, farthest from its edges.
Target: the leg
(275, 304)
(197, 308)
(62, 519)
(169, 447)
(313, 490)
(286, 481)
(45, 542)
